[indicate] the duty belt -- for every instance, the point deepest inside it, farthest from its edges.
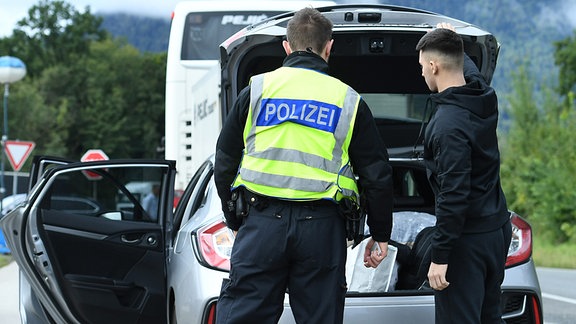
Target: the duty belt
(260, 202)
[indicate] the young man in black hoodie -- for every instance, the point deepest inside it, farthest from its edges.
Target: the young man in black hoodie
(461, 154)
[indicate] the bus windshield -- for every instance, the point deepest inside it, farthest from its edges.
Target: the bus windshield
(205, 31)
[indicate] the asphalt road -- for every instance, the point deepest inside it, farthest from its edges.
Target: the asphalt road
(558, 293)
(9, 294)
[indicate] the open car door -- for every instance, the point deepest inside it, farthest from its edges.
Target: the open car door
(42, 163)
(89, 250)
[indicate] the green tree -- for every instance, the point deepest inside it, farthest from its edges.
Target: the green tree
(565, 58)
(539, 160)
(83, 89)
(53, 33)
(125, 100)
(31, 119)
(112, 99)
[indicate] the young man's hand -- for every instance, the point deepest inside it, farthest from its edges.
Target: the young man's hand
(446, 26)
(437, 276)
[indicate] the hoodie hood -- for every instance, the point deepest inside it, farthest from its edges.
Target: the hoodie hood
(474, 96)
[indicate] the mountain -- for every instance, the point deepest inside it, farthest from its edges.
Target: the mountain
(525, 29)
(148, 34)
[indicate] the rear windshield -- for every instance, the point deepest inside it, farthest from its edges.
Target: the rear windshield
(396, 106)
(205, 31)
(398, 117)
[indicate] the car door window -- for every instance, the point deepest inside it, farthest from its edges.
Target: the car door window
(199, 196)
(193, 195)
(118, 193)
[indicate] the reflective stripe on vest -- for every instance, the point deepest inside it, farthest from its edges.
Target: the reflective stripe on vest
(287, 151)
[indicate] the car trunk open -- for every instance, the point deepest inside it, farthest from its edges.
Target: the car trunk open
(373, 52)
(381, 64)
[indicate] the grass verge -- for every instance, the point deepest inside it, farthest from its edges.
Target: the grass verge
(546, 254)
(5, 259)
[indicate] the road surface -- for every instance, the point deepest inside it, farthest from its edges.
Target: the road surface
(9, 294)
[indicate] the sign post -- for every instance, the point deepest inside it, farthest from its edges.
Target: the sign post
(12, 69)
(17, 152)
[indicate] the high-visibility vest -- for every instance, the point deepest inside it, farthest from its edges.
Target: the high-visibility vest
(297, 134)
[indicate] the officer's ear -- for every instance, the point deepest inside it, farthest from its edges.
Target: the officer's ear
(327, 50)
(287, 47)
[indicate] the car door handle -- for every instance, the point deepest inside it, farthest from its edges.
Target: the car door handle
(126, 239)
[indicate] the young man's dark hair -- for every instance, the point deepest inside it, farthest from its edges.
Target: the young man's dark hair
(473, 230)
(444, 43)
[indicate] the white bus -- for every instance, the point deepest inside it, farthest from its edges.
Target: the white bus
(193, 117)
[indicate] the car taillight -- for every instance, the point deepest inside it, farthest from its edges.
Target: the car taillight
(520, 248)
(215, 244)
(536, 311)
(210, 313)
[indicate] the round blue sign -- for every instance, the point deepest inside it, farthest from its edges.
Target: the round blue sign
(12, 69)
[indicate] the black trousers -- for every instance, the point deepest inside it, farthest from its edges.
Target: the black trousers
(475, 273)
(294, 246)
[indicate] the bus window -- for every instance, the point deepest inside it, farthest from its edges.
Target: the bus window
(204, 32)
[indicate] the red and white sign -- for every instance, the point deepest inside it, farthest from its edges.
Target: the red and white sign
(18, 152)
(93, 155)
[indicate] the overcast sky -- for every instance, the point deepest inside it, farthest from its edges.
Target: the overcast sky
(13, 10)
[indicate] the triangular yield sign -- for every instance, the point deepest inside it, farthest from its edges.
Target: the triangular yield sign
(18, 152)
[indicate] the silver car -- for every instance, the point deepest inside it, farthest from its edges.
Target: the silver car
(120, 266)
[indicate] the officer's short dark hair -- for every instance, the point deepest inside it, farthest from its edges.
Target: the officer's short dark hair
(444, 42)
(309, 29)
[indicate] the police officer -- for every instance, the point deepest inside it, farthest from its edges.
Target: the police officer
(288, 146)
